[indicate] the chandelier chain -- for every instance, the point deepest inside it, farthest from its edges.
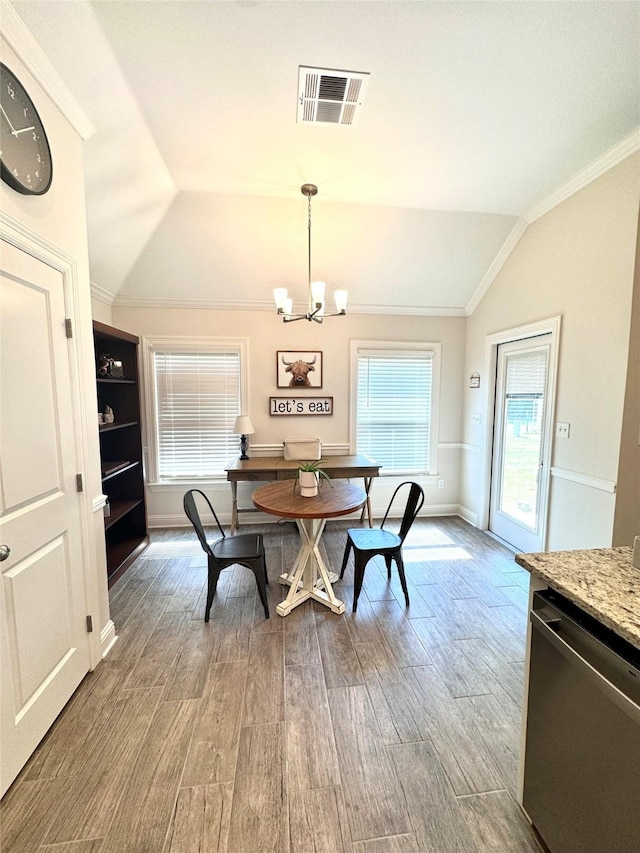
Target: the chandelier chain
(309, 230)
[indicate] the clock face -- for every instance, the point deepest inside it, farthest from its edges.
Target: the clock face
(25, 157)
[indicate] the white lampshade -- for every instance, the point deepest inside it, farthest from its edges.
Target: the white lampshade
(317, 292)
(341, 297)
(280, 297)
(243, 426)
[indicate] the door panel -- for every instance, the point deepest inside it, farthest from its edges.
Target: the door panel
(45, 648)
(41, 621)
(28, 419)
(521, 426)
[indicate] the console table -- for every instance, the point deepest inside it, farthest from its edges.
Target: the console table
(270, 468)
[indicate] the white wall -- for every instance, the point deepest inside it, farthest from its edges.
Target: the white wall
(576, 261)
(627, 518)
(266, 334)
(101, 311)
(236, 249)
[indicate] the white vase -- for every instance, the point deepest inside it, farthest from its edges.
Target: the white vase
(308, 483)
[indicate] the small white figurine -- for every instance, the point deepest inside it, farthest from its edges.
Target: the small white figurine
(109, 417)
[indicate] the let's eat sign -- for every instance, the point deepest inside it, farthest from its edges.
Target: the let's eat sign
(300, 405)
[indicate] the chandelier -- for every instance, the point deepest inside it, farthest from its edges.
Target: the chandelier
(316, 309)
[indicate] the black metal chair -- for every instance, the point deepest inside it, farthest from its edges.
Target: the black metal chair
(246, 549)
(368, 542)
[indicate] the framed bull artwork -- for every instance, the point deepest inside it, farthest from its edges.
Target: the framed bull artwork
(299, 369)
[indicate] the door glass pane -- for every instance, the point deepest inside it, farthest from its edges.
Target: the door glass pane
(522, 435)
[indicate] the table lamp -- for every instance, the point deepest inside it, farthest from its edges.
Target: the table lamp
(243, 427)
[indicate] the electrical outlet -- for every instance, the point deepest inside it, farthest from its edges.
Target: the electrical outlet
(562, 429)
(441, 484)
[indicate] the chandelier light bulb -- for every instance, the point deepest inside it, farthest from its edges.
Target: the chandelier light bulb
(317, 293)
(340, 297)
(280, 297)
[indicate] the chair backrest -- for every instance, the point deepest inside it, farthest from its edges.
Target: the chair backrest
(415, 499)
(191, 510)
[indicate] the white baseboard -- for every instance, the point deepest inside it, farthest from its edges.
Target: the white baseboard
(467, 515)
(108, 637)
(439, 509)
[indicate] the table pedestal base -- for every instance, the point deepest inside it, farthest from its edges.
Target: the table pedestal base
(309, 577)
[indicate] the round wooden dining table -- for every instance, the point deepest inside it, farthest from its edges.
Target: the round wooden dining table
(309, 577)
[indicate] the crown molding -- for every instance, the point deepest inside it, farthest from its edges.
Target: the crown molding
(101, 295)
(408, 310)
(27, 49)
(619, 152)
(496, 265)
(124, 301)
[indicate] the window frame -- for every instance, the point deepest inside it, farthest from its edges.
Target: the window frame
(181, 344)
(434, 349)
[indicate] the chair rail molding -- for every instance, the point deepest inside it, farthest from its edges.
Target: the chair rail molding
(584, 479)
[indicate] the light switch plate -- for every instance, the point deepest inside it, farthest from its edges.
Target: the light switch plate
(562, 429)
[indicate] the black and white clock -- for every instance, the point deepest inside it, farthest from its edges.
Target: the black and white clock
(25, 156)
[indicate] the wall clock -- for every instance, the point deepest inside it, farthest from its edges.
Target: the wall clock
(25, 156)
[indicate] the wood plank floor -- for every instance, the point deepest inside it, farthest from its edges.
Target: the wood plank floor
(392, 731)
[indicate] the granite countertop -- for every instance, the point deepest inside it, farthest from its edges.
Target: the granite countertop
(602, 581)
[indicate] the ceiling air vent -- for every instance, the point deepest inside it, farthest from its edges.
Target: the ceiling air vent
(327, 96)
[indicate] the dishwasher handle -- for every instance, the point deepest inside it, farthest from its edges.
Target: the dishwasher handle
(547, 628)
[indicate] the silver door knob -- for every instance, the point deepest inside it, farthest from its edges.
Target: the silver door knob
(4, 552)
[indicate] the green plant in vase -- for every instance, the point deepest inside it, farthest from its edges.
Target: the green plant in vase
(308, 475)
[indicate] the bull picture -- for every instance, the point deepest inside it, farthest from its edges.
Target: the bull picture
(299, 370)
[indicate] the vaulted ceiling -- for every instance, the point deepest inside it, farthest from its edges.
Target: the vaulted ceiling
(476, 114)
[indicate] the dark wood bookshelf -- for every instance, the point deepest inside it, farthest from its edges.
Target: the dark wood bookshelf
(126, 531)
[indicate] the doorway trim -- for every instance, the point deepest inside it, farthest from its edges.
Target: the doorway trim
(492, 342)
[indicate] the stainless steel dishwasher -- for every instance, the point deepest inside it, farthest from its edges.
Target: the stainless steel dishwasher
(582, 754)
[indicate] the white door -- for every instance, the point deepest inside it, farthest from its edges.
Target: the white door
(521, 440)
(45, 648)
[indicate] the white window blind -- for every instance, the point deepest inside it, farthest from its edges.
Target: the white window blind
(394, 403)
(525, 387)
(197, 400)
(527, 373)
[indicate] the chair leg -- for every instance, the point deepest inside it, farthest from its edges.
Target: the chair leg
(260, 573)
(403, 580)
(387, 559)
(345, 558)
(360, 564)
(212, 583)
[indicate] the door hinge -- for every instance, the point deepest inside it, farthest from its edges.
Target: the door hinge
(68, 326)
(89, 625)
(79, 483)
